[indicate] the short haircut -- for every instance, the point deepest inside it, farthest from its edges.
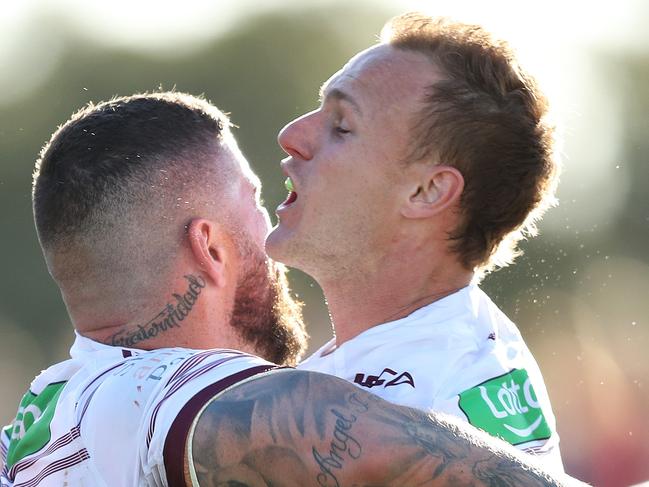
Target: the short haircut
(487, 118)
(115, 162)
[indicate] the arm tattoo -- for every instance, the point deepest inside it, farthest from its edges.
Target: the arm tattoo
(297, 429)
(169, 317)
(343, 446)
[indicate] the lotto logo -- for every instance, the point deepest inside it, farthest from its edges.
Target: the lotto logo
(506, 406)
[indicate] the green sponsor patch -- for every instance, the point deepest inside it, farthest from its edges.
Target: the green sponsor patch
(30, 430)
(506, 406)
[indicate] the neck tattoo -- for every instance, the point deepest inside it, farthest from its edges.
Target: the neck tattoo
(169, 317)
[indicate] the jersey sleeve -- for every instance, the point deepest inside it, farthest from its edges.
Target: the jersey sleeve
(4, 448)
(507, 398)
(175, 406)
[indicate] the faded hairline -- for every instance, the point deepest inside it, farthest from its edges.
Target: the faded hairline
(138, 228)
(135, 247)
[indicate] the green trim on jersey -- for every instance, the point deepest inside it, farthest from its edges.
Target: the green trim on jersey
(30, 430)
(506, 406)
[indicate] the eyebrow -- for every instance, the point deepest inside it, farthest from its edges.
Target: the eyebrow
(337, 94)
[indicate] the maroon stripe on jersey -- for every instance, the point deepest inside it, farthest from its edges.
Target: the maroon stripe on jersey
(197, 359)
(191, 362)
(85, 389)
(174, 447)
(3, 456)
(181, 381)
(189, 375)
(126, 353)
(3, 451)
(119, 364)
(62, 441)
(69, 461)
(83, 411)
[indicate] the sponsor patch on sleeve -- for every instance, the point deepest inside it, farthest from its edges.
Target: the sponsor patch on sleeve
(506, 406)
(31, 429)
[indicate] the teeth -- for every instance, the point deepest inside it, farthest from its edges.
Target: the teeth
(288, 183)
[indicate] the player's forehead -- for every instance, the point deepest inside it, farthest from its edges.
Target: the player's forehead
(379, 74)
(345, 79)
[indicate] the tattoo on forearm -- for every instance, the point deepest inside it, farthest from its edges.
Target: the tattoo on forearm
(169, 317)
(478, 462)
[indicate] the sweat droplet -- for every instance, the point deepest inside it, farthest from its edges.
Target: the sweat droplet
(289, 184)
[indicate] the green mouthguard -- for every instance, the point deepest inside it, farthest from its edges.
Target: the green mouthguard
(289, 184)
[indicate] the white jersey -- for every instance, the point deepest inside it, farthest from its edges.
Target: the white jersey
(114, 416)
(460, 356)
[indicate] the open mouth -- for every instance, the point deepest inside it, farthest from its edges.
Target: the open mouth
(292, 195)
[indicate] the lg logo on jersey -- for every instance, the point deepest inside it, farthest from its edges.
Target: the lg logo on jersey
(393, 379)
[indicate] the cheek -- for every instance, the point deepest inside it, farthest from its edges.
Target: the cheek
(339, 164)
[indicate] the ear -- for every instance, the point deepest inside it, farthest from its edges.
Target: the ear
(210, 247)
(436, 188)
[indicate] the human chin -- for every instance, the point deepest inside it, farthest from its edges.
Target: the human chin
(279, 242)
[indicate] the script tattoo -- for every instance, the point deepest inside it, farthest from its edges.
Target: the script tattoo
(293, 429)
(169, 317)
(343, 444)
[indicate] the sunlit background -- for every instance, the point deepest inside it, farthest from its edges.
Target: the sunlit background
(580, 295)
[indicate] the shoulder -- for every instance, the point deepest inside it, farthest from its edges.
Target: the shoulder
(185, 393)
(151, 382)
(136, 403)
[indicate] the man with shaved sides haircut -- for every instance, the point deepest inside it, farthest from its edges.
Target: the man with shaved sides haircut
(124, 194)
(150, 223)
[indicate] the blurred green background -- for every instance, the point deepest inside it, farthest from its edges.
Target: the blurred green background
(580, 294)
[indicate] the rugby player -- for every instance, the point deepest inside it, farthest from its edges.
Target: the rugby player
(428, 159)
(150, 223)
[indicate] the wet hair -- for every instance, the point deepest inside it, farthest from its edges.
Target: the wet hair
(487, 118)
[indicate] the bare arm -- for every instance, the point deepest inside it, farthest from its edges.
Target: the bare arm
(297, 428)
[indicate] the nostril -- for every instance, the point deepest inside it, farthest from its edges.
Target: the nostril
(295, 153)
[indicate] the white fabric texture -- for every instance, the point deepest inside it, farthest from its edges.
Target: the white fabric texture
(427, 359)
(114, 412)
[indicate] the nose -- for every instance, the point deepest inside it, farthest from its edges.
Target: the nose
(297, 138)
